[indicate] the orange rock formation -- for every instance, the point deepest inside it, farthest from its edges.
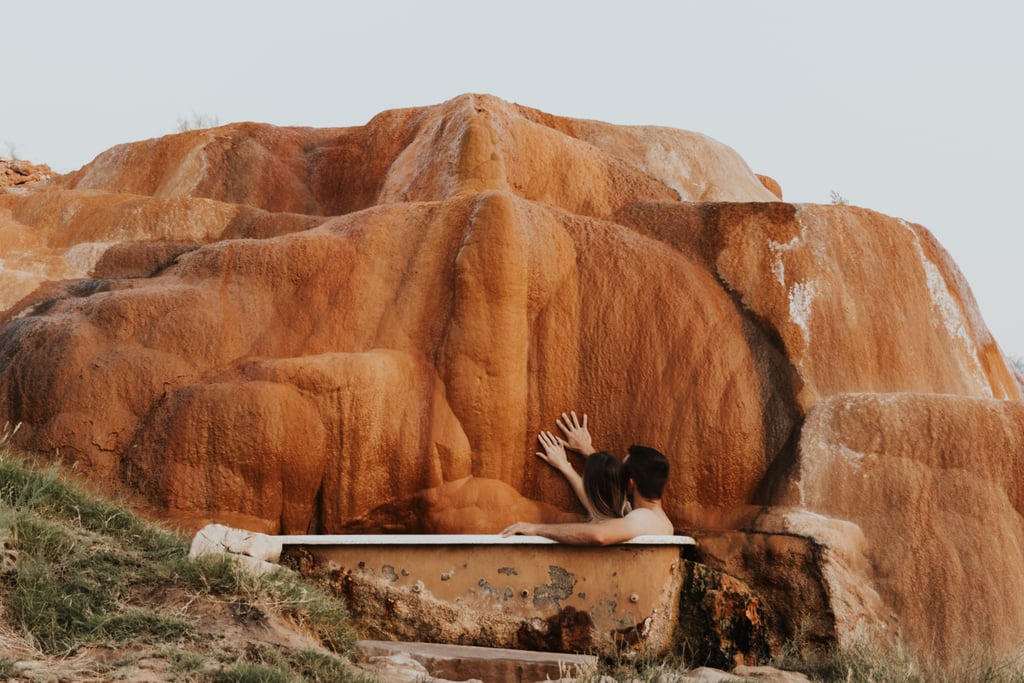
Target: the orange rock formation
(295, 329)
(17, 172)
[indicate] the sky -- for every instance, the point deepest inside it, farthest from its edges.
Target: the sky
(911, 108)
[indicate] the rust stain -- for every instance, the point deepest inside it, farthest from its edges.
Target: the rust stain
(630, 636)
(570, 630)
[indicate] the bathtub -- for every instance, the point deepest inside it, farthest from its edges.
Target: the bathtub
(523, 592)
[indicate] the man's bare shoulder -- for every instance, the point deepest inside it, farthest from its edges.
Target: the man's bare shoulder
(647, 521)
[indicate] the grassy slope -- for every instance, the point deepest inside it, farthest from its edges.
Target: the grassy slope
(89, 591)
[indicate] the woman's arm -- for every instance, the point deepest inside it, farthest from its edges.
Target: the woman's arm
(554, 455)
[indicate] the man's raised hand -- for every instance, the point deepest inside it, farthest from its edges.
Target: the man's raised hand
(577, 436)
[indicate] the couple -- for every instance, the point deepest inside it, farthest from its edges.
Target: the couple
(622, 498)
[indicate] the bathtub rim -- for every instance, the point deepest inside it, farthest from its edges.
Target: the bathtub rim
(459, 539)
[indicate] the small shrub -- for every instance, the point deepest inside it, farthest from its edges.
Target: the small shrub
(837, 197)
(187, 663)
(197, 122)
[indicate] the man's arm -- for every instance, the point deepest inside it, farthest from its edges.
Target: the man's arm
(605, 532)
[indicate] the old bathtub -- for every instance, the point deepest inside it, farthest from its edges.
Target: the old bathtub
(522, 592)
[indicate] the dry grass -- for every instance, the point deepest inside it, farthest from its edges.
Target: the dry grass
(90, 591)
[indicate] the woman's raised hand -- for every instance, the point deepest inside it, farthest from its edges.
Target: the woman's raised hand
(577, 437)
(554, 451)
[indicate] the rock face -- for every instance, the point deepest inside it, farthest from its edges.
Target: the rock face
(294, 329)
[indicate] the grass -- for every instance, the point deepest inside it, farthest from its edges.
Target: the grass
(867, 661)
(269, 665)
(78, 571)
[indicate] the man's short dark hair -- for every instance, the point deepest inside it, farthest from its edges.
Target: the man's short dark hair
(648, 469)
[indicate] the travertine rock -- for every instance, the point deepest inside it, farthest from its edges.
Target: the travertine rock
(932, 481)
(721, 621)
(18, 172)
(295, 329)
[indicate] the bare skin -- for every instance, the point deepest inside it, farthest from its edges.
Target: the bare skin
(577, 439)
(646, 518)
(577, 436)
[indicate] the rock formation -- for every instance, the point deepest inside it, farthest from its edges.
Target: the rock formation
(296, 329)
(17, 172)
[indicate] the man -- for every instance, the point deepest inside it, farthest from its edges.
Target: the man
(646, 472)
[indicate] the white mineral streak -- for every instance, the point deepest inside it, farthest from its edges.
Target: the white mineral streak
(664, 163)
(854, 458)
(103, 168)
(188, 173)
(799, 294)
(800, 298)
(952, 315)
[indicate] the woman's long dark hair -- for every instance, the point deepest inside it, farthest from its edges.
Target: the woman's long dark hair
(604, 483)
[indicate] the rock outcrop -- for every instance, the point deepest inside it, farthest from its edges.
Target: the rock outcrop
(18, 172)
(295, 329)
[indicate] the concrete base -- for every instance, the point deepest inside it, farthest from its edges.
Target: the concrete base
(464, 662)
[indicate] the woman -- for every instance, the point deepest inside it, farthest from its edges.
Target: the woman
(602, 488)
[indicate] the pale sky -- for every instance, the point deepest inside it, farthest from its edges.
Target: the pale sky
(914, 109)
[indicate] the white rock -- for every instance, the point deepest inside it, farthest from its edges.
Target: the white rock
(219, 539)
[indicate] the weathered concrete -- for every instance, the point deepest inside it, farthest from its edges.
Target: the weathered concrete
(462, 662)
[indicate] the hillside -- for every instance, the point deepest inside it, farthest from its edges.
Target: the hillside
(91, 592)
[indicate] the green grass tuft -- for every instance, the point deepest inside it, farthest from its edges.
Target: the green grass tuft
(869, 660)
(8, 670)
(251, 673)
(77, 570)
